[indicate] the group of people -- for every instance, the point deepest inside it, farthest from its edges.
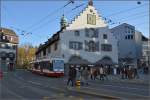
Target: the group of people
(129, 73)
(84, 73)
(100, 72)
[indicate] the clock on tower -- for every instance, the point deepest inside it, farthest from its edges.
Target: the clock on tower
(91, 19)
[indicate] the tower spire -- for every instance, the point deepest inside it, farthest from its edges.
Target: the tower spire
(90, 3)
(63, 22)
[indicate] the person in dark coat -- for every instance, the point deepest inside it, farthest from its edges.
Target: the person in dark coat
(123, 73)
(96, 73)
(71, 76)
(135, 73)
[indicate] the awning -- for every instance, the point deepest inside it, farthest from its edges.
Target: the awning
(105, 62)
(75, 60)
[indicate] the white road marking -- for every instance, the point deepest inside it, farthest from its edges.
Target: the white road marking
(34, 83)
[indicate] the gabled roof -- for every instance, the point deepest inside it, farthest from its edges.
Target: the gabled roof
(78, 23)
(7, 31)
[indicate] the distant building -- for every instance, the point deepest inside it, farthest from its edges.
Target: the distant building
(130, 43)
(86, 40)
(8, 49)
(145, 60)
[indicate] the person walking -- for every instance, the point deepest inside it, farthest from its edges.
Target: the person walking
(78, 73)
(105, 73)
(101, 71)
(126, 73)
(123, 73)
(85, 76)
(71, 76)
(96, 73)
(91, 73)
(136, 73)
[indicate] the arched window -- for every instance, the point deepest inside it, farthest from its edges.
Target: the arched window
(91, 46)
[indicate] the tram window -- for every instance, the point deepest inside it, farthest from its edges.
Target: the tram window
(50, 67)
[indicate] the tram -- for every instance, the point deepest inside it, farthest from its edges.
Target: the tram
(48, 67)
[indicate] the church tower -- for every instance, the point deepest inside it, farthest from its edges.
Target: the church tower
(63, 22)
(90, 3)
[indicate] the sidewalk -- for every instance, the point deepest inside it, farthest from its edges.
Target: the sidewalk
(143, 79)
(108, 93)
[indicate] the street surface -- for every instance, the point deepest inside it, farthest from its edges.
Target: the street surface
(23, 85)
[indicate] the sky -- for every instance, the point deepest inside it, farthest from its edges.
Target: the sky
(40, 19)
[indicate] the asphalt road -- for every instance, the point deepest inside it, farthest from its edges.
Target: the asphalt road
(22, 85)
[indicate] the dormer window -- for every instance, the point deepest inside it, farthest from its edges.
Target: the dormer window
(77, 33)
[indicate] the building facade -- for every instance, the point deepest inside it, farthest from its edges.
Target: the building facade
(145, 60)
(8, 49)
(86, 40)
(130, 44)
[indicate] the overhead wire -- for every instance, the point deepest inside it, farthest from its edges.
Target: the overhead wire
(42, 25)
(52, 13)
(78, 6)
(109, 21)
(126, 10)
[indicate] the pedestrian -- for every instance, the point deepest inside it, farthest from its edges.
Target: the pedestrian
(81, 75)
(129, 73)
(126, 73)
(136, 73)
(105, 73)
(85, 74)
(71, 76)
(78, 73)
(95, 73)
(91, 73)
(101, 72)
(123, 73)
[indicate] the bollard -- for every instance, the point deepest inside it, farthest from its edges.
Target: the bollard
(78, 83)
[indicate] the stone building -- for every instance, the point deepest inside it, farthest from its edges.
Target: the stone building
(8, 49)
(131, 44)
(86, 40)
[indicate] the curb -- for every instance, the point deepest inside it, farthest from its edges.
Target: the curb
(86, 93)
(131, 82)
(94, 94)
